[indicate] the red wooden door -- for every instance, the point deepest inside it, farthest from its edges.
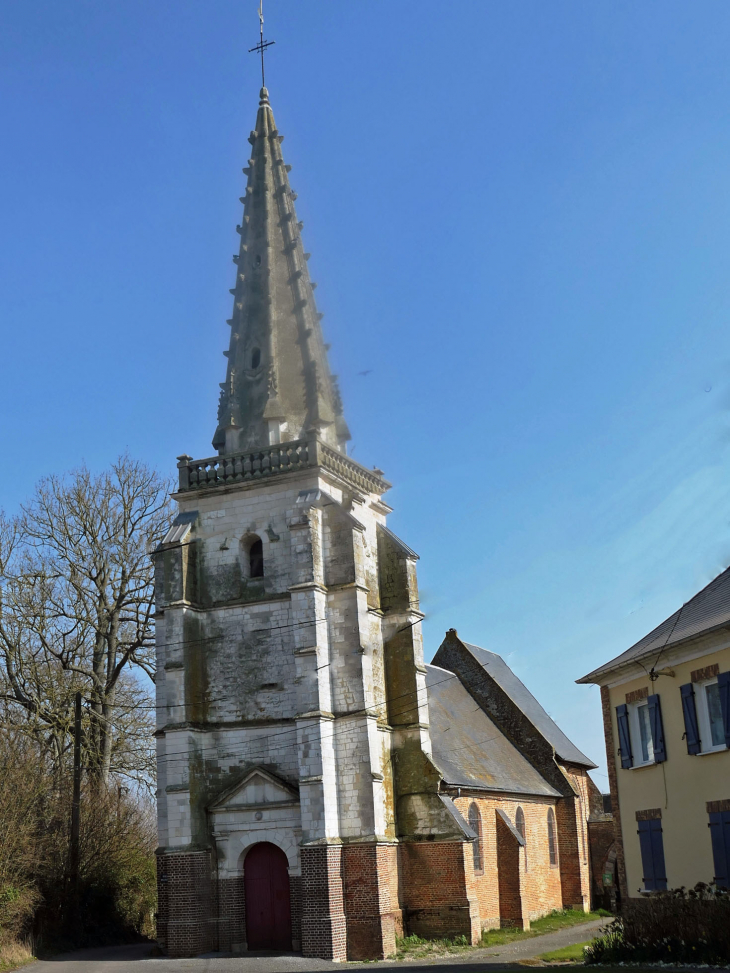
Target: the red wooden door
(268, 908)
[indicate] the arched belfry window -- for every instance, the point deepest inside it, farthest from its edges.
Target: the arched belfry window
(252, 556)
(475, 823)
(520, 825)
(255, 357)
(256, 559)
(552, 837)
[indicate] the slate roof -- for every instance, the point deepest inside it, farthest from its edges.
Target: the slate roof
(707, 611)
(497, 668)
(468, 748)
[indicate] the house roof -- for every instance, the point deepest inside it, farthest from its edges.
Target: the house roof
(707, 611)
(469, 750)
(500, 672)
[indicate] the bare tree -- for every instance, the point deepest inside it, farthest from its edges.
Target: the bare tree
(76, 583)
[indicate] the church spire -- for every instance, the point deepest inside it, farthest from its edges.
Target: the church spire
(278, 384)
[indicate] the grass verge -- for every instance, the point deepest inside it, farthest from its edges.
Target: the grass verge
(14, 955)
(413, 947)
(568, 954)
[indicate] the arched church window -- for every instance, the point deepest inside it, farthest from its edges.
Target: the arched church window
(252, 556)
(255, 358)
(520, 825)
(475, 823)
(552, 837)
(256, 559)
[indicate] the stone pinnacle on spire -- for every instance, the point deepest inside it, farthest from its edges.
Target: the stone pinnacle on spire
(278, 385)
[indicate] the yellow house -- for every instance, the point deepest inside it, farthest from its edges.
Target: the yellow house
(666, 718)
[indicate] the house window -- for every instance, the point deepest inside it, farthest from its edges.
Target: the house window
(706, 711)
(651, 842)
(709, 711)
(475, 823)
(520, 825)
(552, 842)
(720, 836)
(641, 732)
(641, 721)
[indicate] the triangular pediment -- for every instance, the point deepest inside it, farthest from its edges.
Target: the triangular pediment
(257, 789)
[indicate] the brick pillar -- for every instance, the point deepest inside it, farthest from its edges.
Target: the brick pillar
(323, 916)
(185, 913)
(508, 878)
(231, 915)
(438, 898)
(569, 852)
(295, 895)
(613, 787)
(368, 912)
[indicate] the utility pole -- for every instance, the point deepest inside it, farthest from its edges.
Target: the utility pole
(73, 858)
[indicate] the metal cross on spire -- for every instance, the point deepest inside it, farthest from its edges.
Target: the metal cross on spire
(262, 44)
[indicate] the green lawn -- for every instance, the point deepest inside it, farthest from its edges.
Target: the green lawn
(413, 947)
(568, 954)
(550, 923)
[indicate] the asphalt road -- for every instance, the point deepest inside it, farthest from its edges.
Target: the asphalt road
(137, 958)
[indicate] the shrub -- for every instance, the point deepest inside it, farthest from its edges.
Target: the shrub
(677, 926)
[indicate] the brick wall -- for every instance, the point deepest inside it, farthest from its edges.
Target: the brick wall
(231, 914)
(613, 785)
(367, 900)
(540, 884)
(508, 877)
(572, 814)
(602, 843)
(185, 924)
(295, 891)
(438, 894)
(324, 932)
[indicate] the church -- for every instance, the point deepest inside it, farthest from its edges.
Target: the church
(321, 789)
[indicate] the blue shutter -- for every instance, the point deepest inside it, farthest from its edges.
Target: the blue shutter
(657, 852)
(657, 729)
(651, 843)
(720, 835)
(647, 858)
(691, 729)
(723, 681)
(624, 738)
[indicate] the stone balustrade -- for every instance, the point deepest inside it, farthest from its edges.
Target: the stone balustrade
(274, 460)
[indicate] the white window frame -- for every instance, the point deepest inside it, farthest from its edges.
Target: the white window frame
(703, 717)
(635, 731)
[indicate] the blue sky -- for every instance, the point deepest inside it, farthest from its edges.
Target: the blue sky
(519, 219)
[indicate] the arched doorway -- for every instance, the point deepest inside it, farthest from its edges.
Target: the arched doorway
(266, 888)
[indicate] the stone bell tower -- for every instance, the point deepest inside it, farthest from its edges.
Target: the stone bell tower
(294, 762)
